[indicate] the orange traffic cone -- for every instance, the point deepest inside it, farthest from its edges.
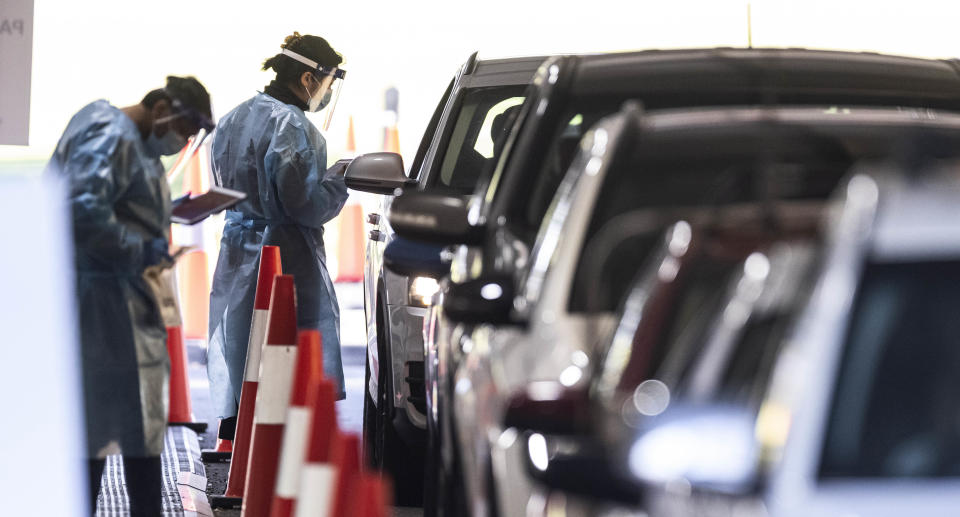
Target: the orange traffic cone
(350, 247)
(269, 268)
(317, 476)
(276, 369)
(392, 140)
(346, 459)
(309, 371)
(373, 497)
(181, 411)
(351, 147)
(221, 453)
(193, 268)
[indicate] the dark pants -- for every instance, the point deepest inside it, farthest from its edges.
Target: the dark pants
(144, 478)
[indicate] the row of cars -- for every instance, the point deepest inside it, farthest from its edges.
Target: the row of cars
(692, 282)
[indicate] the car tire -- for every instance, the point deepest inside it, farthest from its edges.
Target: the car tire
(383, 447)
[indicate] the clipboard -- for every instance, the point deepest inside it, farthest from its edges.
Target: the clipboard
(191, 209)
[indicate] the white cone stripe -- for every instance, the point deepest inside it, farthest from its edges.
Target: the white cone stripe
(258, 332)
(293, 451)
(276, 379)
(316, 490)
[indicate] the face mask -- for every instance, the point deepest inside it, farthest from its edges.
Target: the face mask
(317, 101)
(169, 143)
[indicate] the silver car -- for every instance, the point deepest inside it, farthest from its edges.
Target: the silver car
(462, 139)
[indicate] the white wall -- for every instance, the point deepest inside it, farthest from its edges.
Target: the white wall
(42, 438)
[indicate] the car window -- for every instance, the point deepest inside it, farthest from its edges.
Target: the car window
(676, 313)
(428, 134)
(475, 140)
(703, 291)
(662, 182)
(896, 407)
(671, 175)
(528, 212)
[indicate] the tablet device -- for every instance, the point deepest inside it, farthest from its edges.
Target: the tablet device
(191, 209)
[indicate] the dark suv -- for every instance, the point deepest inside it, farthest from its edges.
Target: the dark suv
(462, 140)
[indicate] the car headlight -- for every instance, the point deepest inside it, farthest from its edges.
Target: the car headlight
(422, 289)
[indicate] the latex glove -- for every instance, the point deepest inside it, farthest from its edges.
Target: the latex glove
(156, 252)
(338, 168)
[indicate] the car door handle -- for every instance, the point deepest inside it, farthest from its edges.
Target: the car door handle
(377, 235)
(373, 218)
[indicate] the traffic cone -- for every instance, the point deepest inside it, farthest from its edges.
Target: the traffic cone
(181, 411)
(351, 147)
(317, 476)
(221, 453)
(309, 371)
(350, 246)
(193, 269)
(276, 369)
(345, 457)
(269, 268)
(392, 140)
(373, 497)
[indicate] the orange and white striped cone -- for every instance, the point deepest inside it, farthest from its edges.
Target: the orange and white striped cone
(309, 371)
(317, 477)
(277, 362)
(346, 460)
(270, 267)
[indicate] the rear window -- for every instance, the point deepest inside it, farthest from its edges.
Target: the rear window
(896, 409)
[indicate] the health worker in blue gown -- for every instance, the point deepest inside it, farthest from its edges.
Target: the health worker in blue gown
(120, 203)
(267, 148)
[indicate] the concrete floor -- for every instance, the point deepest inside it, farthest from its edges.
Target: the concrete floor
(349, 411)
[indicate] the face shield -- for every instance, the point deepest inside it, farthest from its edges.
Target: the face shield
(331, 82)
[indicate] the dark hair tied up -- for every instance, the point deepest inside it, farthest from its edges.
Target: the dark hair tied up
(311, 47)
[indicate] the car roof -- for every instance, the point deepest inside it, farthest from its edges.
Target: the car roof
(773, 76)
(502, 72)
(918, 218)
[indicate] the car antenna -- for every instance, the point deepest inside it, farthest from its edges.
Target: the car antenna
(749, 26)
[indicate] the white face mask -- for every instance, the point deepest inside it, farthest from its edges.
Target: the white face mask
(319, 100)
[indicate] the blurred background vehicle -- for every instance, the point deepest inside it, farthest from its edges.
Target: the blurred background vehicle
(816, 385)
(498, 279)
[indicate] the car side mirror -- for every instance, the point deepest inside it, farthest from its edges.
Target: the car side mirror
(379, 173)
(711, 447)
(433, 217)
(410, 258)
(580, 465)
(488, 299)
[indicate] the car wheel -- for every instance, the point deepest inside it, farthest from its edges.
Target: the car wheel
(383, 448)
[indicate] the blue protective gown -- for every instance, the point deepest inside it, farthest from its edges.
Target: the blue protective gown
(269, 150)
(120, 200)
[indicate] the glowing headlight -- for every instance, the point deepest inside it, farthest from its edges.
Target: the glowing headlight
(422, 289)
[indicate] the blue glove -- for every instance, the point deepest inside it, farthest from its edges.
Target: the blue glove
(156, 251)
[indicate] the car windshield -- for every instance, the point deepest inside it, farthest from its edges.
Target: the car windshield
(896, 409)
(474, 144)
(696, 173)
